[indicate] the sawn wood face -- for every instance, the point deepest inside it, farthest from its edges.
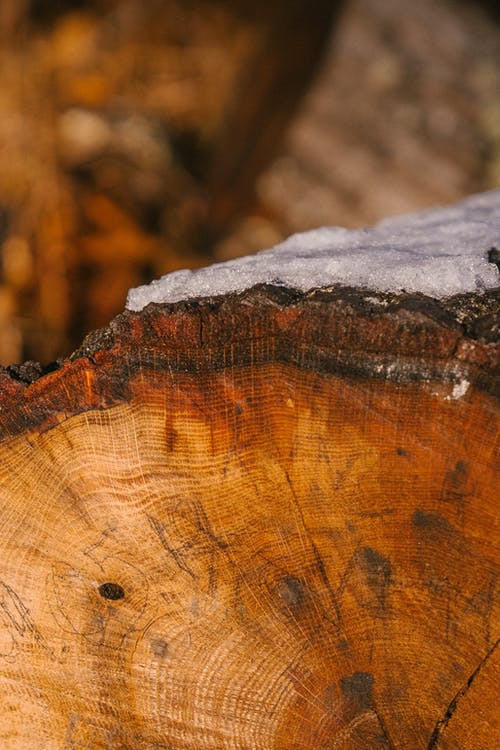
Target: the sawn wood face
(244, 535)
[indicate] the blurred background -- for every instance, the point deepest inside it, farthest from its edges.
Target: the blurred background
(142, 136)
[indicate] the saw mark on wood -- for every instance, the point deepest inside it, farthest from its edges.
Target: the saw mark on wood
(162, 534)
(17, 621)
(369, 574)
(378, 571)
(317, 555)
(84, 734)
(191, 542)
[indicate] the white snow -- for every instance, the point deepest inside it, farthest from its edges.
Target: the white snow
(459, 389)
(439, 252)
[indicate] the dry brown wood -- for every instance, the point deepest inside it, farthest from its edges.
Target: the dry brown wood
(260, 522)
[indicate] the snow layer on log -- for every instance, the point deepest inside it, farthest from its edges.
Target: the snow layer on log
(439, 252)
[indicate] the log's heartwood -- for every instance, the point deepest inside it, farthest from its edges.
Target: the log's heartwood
(259, 522)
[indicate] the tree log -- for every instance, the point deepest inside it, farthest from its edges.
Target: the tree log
(263, 521)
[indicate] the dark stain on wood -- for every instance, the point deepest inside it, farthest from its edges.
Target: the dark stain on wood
(159, 647)
(290, 592)
(357, 690)
(430, 522)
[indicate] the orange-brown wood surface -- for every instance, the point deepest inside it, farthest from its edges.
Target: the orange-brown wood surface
(265, 522)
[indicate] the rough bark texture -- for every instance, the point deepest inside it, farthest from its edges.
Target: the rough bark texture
(259, 522)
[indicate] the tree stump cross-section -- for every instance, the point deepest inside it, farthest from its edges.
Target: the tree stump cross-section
(260, 521)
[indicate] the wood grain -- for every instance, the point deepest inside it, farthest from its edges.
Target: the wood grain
(260, 522)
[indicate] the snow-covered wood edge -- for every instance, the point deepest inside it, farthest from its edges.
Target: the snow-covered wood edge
(439, 252)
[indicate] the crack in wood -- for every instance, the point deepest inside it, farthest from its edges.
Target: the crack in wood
(442, 723)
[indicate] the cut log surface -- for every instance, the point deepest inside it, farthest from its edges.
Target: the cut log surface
(264, 521)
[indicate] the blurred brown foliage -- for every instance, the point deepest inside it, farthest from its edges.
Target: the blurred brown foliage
(141, 136)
